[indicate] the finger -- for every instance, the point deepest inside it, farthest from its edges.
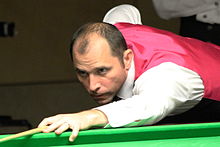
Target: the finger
(62, 128)
(48, 121)
(44, 122)
(54, 126)
(74, 133)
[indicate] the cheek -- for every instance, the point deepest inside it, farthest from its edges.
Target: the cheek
(115, 82)
(106, 82)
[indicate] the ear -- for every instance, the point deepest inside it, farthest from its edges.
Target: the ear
(128, 56)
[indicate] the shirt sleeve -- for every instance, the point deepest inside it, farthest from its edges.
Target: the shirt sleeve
(166, 89)
(123, 13)
(168, 9)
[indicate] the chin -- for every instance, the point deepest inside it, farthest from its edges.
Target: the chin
(103, 102)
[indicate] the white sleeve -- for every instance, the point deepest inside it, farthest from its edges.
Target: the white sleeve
(123, 13)
(163, 90)
(168, 9)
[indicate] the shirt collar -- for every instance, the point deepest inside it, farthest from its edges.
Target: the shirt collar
(126, 89)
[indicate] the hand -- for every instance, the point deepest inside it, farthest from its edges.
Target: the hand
(75, 122)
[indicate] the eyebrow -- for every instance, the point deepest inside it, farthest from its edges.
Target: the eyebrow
(93, 70)
(77, 69)
(106, 67)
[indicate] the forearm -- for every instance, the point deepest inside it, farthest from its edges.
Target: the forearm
(168, 9)
(94, 118)
(135, 111)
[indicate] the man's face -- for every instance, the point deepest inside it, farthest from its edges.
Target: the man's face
(100, 73)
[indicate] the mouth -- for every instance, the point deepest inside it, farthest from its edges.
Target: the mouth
(101, 98)
(98, 96)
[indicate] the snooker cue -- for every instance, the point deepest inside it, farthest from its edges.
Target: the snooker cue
(25, 133)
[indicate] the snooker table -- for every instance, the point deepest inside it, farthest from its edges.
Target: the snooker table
(196, 135)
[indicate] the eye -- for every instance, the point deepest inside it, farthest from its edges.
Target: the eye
(81, 73)
(102, 71)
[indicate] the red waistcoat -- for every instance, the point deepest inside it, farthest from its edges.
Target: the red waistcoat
(152, 47)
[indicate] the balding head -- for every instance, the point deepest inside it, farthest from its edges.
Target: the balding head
(82, 38)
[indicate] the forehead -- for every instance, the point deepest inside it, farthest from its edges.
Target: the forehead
(97, 53)
(92, 42)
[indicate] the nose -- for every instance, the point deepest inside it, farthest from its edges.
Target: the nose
(94, 84)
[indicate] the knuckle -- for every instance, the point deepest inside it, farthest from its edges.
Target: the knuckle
(45, 120)
(58, 115)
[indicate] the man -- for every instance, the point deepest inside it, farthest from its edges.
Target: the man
(154, 72)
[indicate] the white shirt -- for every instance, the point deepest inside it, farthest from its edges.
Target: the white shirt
(207, 11)
(166, 89)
